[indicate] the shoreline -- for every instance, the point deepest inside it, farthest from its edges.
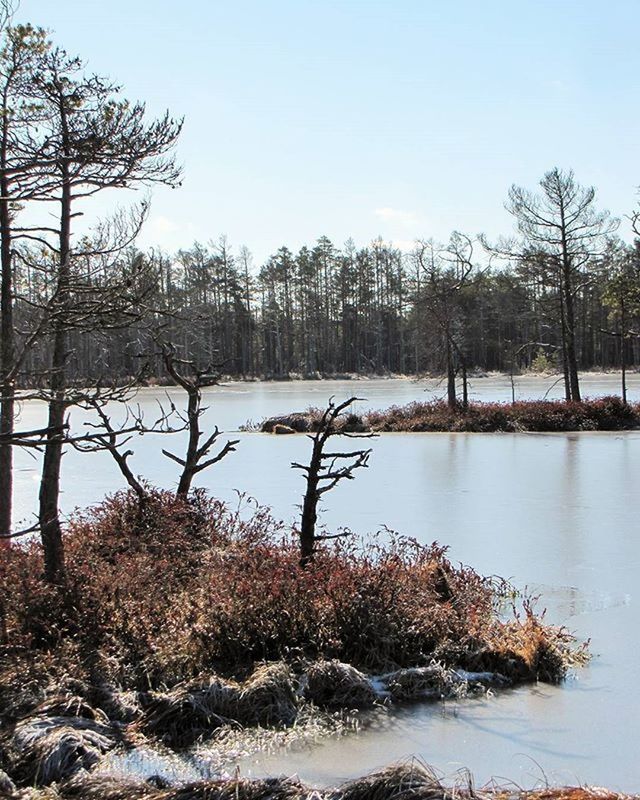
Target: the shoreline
(356, 377)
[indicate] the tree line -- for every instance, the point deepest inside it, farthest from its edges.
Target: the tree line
(327, 310)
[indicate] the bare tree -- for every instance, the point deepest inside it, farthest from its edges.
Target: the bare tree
(323, 473)
(103, 435)
(193, 383)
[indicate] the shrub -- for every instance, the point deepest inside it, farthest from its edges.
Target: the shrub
(190, 588)
(602, 414)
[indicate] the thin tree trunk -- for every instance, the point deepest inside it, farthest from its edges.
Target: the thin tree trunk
(570, 322)
(623, 359)
(191, 460)
(572, 362)
(7, 350)
(49, 515)
(452, 400)
(465, 386)
(565, 364)
(309, 516)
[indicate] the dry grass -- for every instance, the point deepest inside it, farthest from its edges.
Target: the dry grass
(332, 684)
(421, 683)
(309, 421)
(409, 781)
(51, 749)
(7, 786)
(196, 709)
(268, 697)
(181, 717)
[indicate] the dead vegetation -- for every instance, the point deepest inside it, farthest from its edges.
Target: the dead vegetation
(602, 414)
(423, 683)
(407, 781)
(332, 684)
(52, 749)
(191, 620)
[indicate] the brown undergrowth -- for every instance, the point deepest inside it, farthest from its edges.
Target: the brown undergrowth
(545, 416)
(188, 617)
(408, 781)
(190, 587)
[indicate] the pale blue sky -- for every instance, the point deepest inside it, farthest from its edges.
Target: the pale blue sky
(400, 118)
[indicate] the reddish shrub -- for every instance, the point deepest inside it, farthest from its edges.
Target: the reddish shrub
(604, 414)
(188, 587)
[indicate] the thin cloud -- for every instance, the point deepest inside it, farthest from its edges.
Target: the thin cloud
(407, 219)
(162, 231)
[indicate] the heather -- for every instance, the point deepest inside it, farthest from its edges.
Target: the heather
(158, 596)
(543, 416)
(182, 619)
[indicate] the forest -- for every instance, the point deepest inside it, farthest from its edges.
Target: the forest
(329, 310)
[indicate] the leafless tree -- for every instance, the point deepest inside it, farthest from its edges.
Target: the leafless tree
(447, 272)
(106, 436)
(324, 472)
(193, 383)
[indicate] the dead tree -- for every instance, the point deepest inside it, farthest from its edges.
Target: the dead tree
(324, 472)
(106, 436)
(193, 463)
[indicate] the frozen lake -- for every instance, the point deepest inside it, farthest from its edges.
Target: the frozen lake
(555, 512)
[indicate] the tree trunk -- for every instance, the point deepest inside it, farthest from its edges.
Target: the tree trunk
(565, 363)
(623, 359)
(452, 400)
(570, 321)
(308, 524)
(49, 516)
(310, 509)
(7, 350)
(465, 386)
(572, 362)
(191, 459)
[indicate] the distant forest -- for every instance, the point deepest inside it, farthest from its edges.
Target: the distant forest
(327, 310)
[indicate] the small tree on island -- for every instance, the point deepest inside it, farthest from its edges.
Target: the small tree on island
(324, 472)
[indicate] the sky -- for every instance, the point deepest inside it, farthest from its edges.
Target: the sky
(403, 119)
